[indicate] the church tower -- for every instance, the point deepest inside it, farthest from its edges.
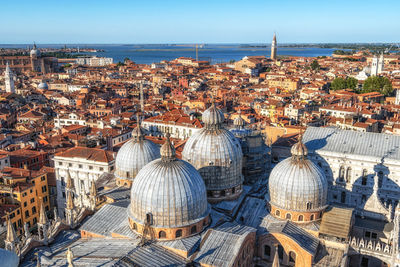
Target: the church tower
(374, 66)
(9, 80)
(381, 63)
(273, 48)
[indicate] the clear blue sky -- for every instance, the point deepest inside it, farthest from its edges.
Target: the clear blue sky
(203, 21)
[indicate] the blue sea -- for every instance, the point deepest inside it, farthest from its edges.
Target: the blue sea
(216, 53)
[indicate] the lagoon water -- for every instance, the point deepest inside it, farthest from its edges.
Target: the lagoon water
(216, 53)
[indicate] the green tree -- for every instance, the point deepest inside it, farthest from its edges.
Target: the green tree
(341, 83)
(351, 82)
(315, 65)
(378, 84)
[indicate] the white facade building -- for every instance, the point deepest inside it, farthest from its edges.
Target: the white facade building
(351, 160)
(95, 61)
(70, 119)
(84, 165)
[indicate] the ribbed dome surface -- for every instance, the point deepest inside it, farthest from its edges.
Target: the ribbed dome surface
(296, 181)
(172, 191)
(217, 155)
(133, 156)
(35, 52)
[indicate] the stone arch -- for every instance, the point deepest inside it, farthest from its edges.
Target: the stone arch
(178, 233)
(288, 216)
(193, 230)
(301, 218)
(278, 213)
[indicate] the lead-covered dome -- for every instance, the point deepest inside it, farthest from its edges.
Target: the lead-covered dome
(35, 52)
(217, 155)
(43, 86)
(134, 155)
(169, 193)
(298, 185)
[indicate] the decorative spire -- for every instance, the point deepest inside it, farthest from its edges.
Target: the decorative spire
(69, 185)
(137, 133)
(70, 201)
(11, 237)
(70, 257)
(42, 216)
(93, 190)
(275, 262)
(167, 150)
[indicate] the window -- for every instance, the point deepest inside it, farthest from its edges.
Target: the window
(70, 164)
(101, 169)
(34, 210)
(80, 166)
(44, 189)
(364, 179)
(312, 217)
(90, 167)
(60, 163)
(309, 205)
(267, 251)
(162, 234)
(178, 233)
(27, 213)
(348, 175)
(25, 204)
(288, 216)
(374, 235)
(149, 218)
(32, 200)
(292, 257)
(34, 220)
(301, 218)
(277, 213)
(341, 173)
(280, 252)
(134, 226)
(380, 179)
(42, 178)
(193, 230)
(367, 234)
(45, 199)
(343, 197)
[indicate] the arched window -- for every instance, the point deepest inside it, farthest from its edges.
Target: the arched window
(280, 252)
(309, 205)
(149, 218)
(193, 230)
(312, 217)
(364, 178)
(178, 233)
(348, 175)
(267, 251)
(292, 257)
(278, 213)
(134, 226)
(343, 197)
(233, 190)
(341, 173)
(162, 234)
(288, 216)
(301, 218)
(222, 193)
(380, 179)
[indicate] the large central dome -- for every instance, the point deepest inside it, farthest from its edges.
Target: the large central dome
(217, 155)
(297, 187)
(168, 195)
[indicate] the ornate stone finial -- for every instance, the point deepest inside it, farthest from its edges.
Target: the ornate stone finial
(42, 216)
(167, 150)
(70, 257)
(275, 262)
(11, 235)
(93, 190)
(137, 133)
(55, 214)
(70, 201)
(69, 185)
(239, 121)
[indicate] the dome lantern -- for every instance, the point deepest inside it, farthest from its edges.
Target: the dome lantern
(167, 150)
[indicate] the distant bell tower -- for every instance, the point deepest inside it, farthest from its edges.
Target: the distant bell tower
(381, 63)
(9, 80)
(374, 66)
(273, 48)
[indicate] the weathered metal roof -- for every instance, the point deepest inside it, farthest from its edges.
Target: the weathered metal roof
(117, 194)
(222, 244)
(336, 222)
(369, 144)
(109, 217)
(252, 212)
(307, 241)
(189, 244)
(151, 256)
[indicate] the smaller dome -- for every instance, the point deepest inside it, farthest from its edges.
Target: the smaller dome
(239, 121)
(167, 150)
(35, 51)
(213, 116)
(43, 86)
